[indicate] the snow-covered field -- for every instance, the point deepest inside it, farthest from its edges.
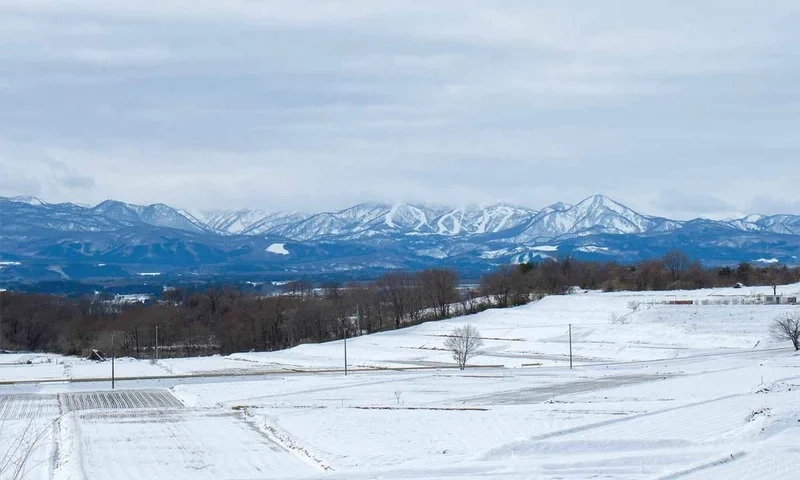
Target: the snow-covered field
(658, 391)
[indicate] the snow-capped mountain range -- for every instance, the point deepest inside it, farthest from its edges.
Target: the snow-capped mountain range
(596, 214)
(375, 235)
(367, 219)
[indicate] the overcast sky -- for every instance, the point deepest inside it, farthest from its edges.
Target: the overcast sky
(676, 108)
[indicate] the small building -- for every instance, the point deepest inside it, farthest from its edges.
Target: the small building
(779, 300)
(96, 356)
(772, 299)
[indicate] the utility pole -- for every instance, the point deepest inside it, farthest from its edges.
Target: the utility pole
(1, 321)
(570, 346)
(156, 343)
(113, 357)
(345, 350)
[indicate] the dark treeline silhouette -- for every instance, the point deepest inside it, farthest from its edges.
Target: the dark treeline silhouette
(226, 320)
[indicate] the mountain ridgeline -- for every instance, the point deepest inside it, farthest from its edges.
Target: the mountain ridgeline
(39, 240)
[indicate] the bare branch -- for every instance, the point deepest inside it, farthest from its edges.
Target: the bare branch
(787, 327)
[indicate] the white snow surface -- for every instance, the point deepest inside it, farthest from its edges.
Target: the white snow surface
(767, 260)
(278, 249)
(592, 249)
(658, 390)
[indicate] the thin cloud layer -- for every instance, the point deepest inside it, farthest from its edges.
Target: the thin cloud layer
(675, 109)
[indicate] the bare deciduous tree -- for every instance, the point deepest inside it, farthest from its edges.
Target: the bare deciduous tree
(634, 305)
(439, 287)
(470, 301)
(396, 288)
(787, 327)
(464, 343)
(677, 262)
(774, 276)
(499, 285)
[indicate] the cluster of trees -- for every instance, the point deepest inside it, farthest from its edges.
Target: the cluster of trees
(191, 322)
(674, 271)
(224, 320)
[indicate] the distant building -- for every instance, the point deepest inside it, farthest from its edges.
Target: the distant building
(680, 302)
(779, 300)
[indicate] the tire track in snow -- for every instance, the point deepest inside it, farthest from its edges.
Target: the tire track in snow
(526, 396)
(687, 358)
(67, 459)
(283, 440)
(503, 450)
(326, 389)
(705, 466)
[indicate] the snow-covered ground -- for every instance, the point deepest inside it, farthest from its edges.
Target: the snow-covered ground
(658, 391)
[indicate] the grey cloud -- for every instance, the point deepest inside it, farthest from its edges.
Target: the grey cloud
(77, 182)
(138, 56)
(15, 182)
(293, 105)
(24, 172)
(767, 205)
(680, 203)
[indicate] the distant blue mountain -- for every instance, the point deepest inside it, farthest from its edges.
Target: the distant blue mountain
(115, 239)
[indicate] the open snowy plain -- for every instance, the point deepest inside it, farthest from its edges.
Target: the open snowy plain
(658, 391)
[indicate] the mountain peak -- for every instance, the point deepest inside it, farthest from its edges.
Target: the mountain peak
(368, 205)
(600, 201)
(109, 203)
(157, 214)
(29, 199)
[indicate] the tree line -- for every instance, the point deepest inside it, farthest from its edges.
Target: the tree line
(674, 271)
(224, 320)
